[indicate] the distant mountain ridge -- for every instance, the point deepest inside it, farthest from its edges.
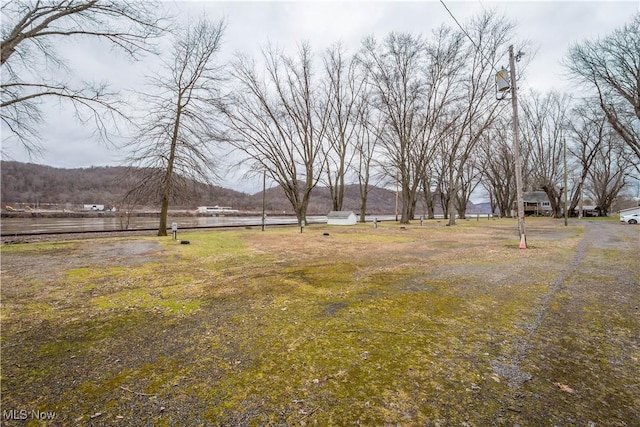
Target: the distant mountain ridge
(106, 185)
(40, 185)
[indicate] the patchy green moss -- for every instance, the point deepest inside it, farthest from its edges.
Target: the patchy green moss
(144, 300)
(49, 247)
(362, 326)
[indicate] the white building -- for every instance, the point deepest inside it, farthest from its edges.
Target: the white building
(216, 210)
(341, 218)
(93, 207)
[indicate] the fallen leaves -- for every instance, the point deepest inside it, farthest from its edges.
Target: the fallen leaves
(565, 388)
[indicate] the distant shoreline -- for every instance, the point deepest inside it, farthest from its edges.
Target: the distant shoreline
(110, 214)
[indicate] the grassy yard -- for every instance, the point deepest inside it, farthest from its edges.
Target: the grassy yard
(412, 325)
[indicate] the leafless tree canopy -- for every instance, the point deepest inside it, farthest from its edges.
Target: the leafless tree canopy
(603, 164)
(29, 57)
(611, 67)
(396, 69)
(437, 98)
(543, 127)
(413, 109)
(474, 109)
(344, 89)
(276, 121)
(175, 141)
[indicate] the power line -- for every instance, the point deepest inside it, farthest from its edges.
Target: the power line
(468, 36)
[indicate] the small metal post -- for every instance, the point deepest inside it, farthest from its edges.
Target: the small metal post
(375, 222)
(397, 185)
(264, 192)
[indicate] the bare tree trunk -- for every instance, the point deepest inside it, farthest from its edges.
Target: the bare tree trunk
(428, 198)
(555, 200)
(453, 189)
(451, 210)
(166, 191)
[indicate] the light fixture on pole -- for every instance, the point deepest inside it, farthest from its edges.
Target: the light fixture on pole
(502, 84)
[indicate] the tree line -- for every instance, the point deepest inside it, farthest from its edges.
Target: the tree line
(414, 111)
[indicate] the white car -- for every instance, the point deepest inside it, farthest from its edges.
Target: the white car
(630, 219)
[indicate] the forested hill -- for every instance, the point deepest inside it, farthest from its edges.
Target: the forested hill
(40, 185)
(32, 183)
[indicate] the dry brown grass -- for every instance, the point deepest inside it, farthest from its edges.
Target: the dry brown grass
(428, 325)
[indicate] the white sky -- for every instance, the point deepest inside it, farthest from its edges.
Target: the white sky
(550, 26)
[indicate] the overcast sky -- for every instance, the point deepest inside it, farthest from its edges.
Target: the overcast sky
(550, 26)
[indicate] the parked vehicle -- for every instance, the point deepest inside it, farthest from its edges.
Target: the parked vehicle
(630, 219)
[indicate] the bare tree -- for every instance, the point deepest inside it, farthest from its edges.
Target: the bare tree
(367, 134)
(475, 108)
(444, 68)
(343, 93)
(470, 177)
(276, 122)
(174, 143)
(28, 58)
(543, 128)
(588, 130)
(608, 173)
(412, 83)
(497, 161)
(393, 68)
(611, 66)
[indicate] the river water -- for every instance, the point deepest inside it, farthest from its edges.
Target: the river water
(9, 226)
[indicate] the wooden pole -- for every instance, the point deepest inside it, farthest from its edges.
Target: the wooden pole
(566, 190)
(516, 150)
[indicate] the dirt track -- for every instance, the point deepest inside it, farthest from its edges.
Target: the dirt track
(563, 318)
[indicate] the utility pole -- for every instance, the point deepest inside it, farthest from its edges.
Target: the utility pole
(516, 149)
(566, 194)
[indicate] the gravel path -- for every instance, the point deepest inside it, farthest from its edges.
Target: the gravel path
(571, 283)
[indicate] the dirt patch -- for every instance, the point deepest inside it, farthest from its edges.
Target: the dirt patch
(49, 263)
